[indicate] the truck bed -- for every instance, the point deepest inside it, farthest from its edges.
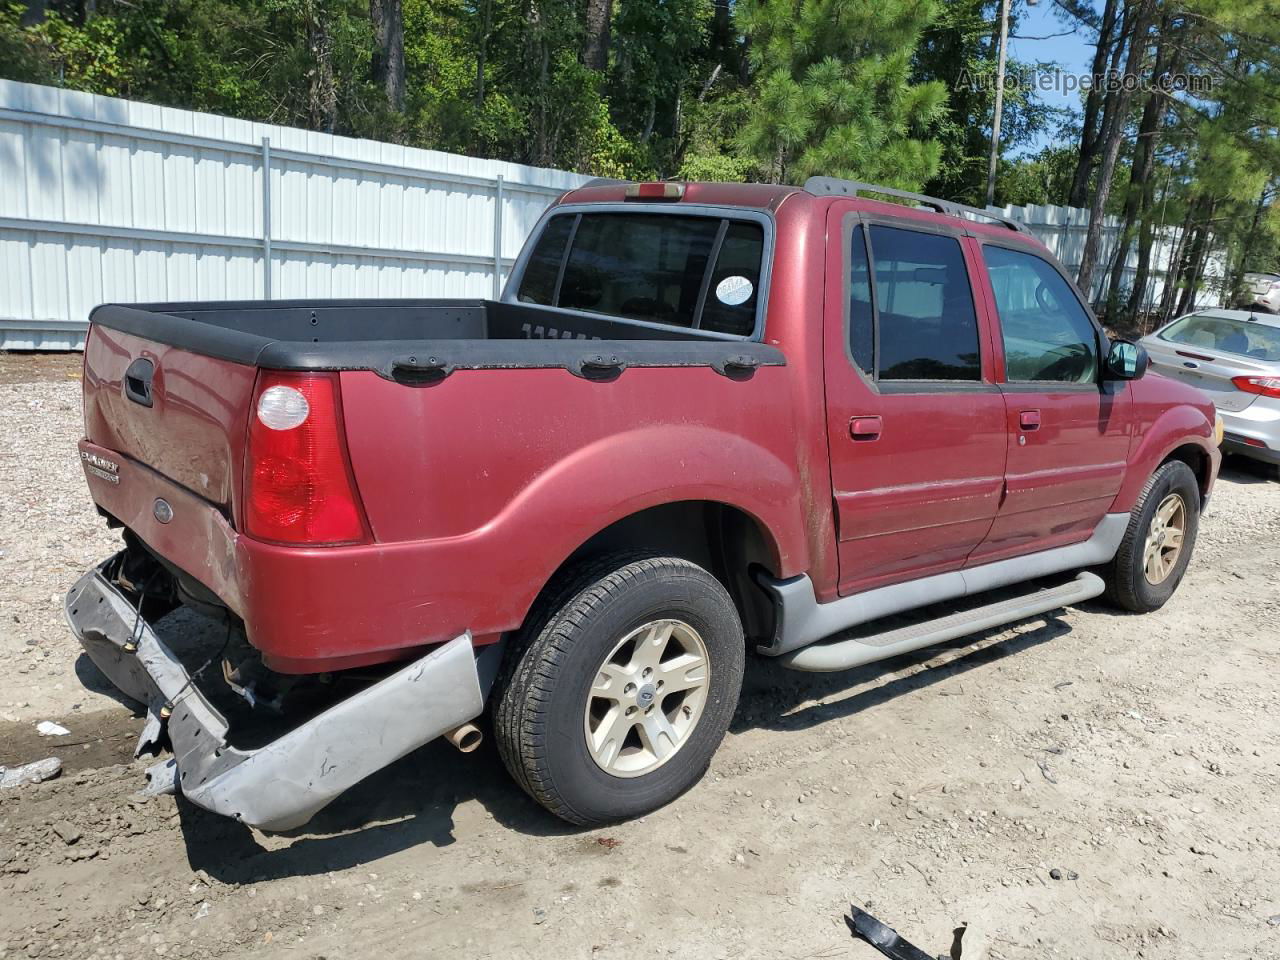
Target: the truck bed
(414, 339)
(459, 417)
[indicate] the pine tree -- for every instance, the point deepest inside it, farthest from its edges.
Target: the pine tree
(832, 91)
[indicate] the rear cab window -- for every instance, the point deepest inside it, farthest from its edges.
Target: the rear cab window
(1245, 338)
(697, 271)
(911, 313)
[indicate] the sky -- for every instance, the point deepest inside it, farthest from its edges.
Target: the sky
(1073, 52)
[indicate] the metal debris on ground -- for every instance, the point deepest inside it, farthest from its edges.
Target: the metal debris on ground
(887, 940)
(35, 772)
(47, 728)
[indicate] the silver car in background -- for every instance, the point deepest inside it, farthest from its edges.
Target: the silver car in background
(1234, 357)
(1262, 290)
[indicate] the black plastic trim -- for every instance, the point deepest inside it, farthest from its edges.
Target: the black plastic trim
(525, 336)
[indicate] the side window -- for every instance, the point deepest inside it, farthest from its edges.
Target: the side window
(730, 306)
(927, 327)
(1047, 334)
(539, 284)
(861, 315)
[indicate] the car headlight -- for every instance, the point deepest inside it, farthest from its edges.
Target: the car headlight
(1218, 428)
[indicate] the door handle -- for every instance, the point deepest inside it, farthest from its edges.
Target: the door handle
(1029, 419)
(862, 429)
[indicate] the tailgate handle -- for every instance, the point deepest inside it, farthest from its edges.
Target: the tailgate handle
(137, 381)
(420, 371)
(738, 366)
(599, 367)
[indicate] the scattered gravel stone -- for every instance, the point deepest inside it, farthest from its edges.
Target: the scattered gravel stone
(68, 833)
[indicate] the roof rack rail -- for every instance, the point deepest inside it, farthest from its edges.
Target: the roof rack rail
(835, 187)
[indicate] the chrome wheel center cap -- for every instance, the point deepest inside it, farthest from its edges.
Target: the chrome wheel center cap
(645, 695)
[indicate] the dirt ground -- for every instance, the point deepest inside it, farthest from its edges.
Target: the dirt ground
(1087, 785)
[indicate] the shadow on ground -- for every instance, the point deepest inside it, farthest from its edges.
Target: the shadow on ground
(414, 801)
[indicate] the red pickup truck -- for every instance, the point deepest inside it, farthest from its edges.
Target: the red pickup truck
(703, 420)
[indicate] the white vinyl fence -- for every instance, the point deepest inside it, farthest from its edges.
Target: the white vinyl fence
(1063, 229)
(110, 200)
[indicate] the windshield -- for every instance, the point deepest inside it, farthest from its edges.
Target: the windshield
(1247, 338)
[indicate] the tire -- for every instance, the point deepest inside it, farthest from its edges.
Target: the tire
(549, 696)
(1131, 584)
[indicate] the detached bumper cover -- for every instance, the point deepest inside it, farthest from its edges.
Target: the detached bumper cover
(283, 784)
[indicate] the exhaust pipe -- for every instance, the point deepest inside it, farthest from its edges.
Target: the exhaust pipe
(466, 737)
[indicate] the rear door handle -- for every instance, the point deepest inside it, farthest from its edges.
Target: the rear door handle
(1029, 419)
(865, 428)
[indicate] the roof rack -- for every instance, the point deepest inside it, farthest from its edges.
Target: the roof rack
(835, 187)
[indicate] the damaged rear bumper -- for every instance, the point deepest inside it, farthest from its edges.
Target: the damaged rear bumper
(283, 784)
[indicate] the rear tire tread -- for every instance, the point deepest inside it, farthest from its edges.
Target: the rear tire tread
(535, 658)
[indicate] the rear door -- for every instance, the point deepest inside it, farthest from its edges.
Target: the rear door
(915, 423)
(1069, 430)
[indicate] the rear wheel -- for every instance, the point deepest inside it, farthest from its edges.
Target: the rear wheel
(1157, 544)
(620, 688)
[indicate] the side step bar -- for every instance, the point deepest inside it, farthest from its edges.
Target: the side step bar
(843, 654)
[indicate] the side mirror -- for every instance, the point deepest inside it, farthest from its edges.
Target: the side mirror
(1126, 361)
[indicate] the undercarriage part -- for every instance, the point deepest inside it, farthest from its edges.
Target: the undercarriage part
(466, 737)
(283, 784)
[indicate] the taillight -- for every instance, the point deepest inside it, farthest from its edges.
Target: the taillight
(298, 482)
(1264, 386)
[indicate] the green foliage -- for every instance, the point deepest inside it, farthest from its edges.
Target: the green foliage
(1043, 177)
(833, 91)
(898, 92)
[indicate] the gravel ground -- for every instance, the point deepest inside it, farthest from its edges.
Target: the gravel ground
(1085, 785)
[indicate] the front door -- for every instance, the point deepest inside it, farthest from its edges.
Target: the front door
(1069, 430)
(915, 422)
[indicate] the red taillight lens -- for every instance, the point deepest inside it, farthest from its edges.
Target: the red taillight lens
(1265, 386)
(298, 482)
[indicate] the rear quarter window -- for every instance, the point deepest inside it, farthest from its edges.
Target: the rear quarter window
(695, 271)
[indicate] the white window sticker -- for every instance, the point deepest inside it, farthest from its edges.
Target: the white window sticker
(734, 290)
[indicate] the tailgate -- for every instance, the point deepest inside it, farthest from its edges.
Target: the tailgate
(182, 414)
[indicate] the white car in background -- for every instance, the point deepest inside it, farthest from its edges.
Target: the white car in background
(1234, 357)
(1262, 290)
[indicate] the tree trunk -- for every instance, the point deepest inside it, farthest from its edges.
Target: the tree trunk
(1199, 256)
(721, 28)
(322, 92)
(34, 13)
(1138, 196)
(1092, 105)
(483, 48)
(1138, 292)
(1112, 135)
(596, 53)
(1138, 299)
(1237, 276)
(1173, 273)
(388, 50)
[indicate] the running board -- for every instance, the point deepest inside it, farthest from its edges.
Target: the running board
(843, 654)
